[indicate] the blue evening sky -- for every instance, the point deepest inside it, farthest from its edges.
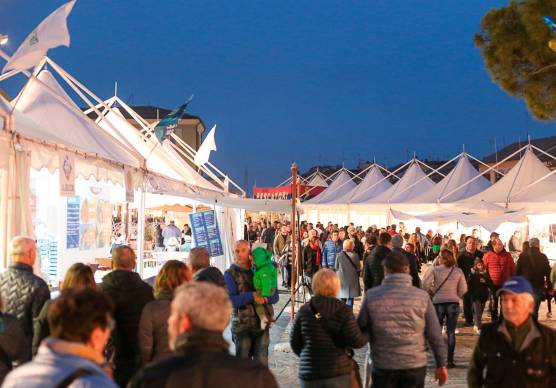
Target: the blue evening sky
(309, 81)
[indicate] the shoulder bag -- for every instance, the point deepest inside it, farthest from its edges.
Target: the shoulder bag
(433, 293)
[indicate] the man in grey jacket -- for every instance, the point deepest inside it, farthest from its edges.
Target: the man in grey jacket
(400, 320)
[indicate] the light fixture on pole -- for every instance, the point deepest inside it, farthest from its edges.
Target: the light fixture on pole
(3, 39)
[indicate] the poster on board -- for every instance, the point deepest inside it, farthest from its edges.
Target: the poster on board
(67, 175)
(72, 223)
(206, 234)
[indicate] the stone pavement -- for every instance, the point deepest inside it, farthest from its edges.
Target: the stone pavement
(283, 362)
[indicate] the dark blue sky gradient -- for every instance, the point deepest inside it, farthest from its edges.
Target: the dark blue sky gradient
(310, 81)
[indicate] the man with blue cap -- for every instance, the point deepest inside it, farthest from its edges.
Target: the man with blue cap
(517, 351)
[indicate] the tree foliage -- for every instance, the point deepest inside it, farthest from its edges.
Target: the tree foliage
(514, 44)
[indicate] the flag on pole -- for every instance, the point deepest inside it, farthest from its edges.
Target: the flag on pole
(202, 155)
(166, 126)
(52, 32)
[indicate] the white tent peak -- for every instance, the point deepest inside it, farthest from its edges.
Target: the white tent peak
(372, 185)
(456, 185)
(317, 179)
(341, 185)
(414, 182)
(528, 181)
(58, 120)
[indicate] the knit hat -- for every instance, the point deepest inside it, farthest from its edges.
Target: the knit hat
(397, 241)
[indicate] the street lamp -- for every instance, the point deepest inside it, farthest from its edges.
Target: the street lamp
(552, 44)
(3, 39)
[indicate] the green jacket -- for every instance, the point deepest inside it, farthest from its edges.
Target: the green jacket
(533, 366)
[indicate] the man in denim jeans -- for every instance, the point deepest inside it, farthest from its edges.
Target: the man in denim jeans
(250, 339)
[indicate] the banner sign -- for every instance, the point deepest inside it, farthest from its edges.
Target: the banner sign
(206, 234)
(129, 192)
(72, 223)
(67, 175)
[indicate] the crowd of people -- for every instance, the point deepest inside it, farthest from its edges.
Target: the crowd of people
(123, 332)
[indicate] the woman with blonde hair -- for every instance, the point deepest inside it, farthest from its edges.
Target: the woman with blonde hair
(323, 334)
(79, 277)
(153, 326)
(447, 285)
(348, 267)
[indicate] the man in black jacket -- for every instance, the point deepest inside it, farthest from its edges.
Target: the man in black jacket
(374, 271)
(466, 260)
(129, 294)
(517, 351)
(23, 293)
(200, 313)
(397, 244)
(533, 265)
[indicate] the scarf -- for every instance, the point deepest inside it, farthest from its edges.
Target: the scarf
(315, 246)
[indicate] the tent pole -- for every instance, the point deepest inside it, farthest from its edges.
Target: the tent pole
(141, 230)
(293, 275)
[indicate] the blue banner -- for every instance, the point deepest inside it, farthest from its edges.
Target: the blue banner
(206, 233)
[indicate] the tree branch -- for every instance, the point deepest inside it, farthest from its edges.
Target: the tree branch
(542, 69)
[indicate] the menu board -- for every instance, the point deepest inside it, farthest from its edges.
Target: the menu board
(72, 222)
(206, 234)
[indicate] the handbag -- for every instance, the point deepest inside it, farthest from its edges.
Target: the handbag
(355, 375)
(433, 293)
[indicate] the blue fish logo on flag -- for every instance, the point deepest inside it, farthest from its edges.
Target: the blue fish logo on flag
(550, 22)
(166, 126)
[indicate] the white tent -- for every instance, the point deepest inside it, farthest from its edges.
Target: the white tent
(371, 186)
(456, 185)
(318, 179)
(341, 185)
(529, 181)
(160, 158)
(44, 111)
(414, 182)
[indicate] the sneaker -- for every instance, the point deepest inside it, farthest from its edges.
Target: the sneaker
(477, 329)
(451, 365)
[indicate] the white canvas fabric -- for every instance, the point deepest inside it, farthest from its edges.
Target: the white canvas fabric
(40, 115)
(460, 175)
(522, 184)
(341, 185)
(318, 181)
(414, 182)
(372, 185)
(159, 160)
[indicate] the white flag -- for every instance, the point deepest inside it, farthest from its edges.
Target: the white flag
(208, 145)
(52, 32)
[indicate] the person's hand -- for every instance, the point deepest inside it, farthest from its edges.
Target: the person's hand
(258, 299)
(441, 375)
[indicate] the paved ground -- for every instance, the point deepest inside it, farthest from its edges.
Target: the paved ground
(283, 362)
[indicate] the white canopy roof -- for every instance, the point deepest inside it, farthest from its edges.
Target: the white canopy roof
(341, 185)
(158, 158)
(528, 181)
(413, 183)
(317, 180)
(460, 175)
(372, 185)
(62, 122)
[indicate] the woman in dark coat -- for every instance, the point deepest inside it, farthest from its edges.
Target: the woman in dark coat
(153, 326)
(322, 344)
(79, 277)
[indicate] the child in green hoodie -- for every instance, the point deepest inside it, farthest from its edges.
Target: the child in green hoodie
(265, 281)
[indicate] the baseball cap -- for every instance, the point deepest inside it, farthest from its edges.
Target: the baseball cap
(516, 285)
